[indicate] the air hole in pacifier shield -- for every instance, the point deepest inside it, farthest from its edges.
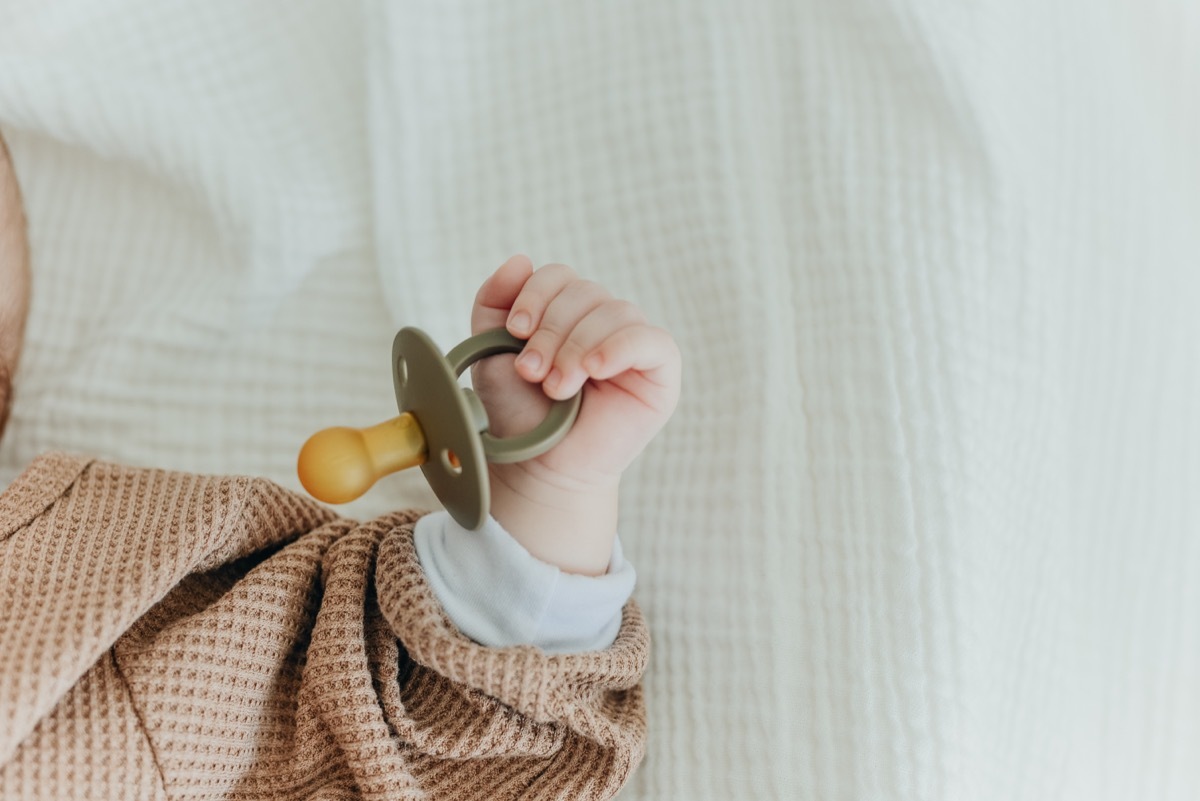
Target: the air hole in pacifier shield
(451, 463)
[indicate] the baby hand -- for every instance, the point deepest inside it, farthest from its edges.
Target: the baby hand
(562, 504)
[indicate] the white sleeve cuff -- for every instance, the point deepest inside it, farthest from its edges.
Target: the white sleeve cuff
(499, 595)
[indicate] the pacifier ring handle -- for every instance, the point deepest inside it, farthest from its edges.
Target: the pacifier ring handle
(454, 422)
(546, 434)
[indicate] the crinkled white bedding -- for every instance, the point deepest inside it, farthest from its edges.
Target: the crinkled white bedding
(927, 524)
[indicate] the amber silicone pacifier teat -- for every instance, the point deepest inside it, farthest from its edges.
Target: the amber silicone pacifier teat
(442, 427)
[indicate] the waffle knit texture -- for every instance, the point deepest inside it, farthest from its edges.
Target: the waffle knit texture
(166, 635)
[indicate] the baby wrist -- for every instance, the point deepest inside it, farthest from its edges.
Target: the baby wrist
(572, 527)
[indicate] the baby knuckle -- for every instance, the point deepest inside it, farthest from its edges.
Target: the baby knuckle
(625, 311)
(550, 329)
(545, 339)
(585, 287)
(554, 270)
(669, 344)
(571, 351)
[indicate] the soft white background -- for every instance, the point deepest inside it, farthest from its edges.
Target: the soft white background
(927, 523)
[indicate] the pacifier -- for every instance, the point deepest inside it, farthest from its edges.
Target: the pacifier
(442, 427)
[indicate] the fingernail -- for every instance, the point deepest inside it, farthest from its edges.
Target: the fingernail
(592, 363)
(531, 360)
(520, 322)
(554, 378)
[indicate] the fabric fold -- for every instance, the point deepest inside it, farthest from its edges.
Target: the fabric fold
(79, 571)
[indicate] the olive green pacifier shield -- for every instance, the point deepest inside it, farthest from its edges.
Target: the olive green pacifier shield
(451, 420)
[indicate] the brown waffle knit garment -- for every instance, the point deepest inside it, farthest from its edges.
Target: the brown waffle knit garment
(165, 635)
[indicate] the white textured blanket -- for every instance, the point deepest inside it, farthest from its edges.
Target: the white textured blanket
(927, 524)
